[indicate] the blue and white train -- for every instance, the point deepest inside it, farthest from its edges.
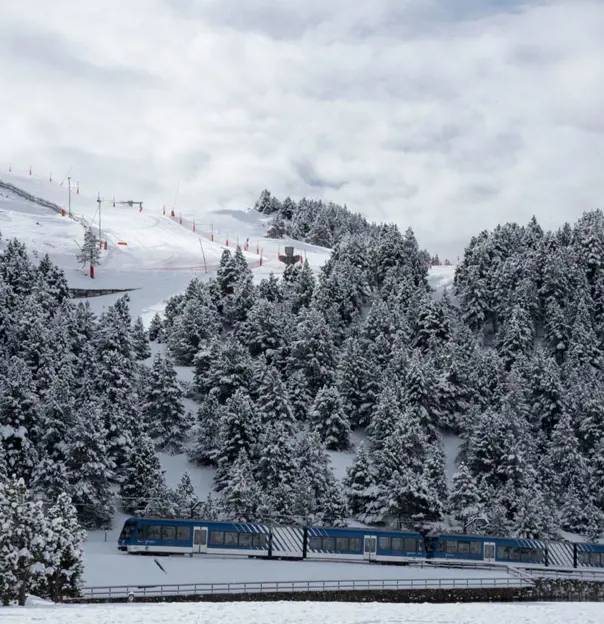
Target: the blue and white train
(168, 536)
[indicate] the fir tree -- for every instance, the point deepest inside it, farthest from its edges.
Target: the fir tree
(238, 432)
(206, 433)
(240, 496)
(90, 252)
(185, 499)
(360, 486)
(66, 547)
(155, 327)
(140, 340)
(465, 502)
(273, 403)
(141, 477)
(90, 468)
(166, 417)
(330, 421)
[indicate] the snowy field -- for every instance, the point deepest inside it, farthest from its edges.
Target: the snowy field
(310, 613)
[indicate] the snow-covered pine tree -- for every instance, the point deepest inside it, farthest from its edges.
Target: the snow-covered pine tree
(313, 351)
(270, 289)
(299, 394)
(241, 495)
(24, 549)
(273, 404)
(465, 501)
(142, 477)
(230, 370)
(185, 498)
(140, 340)
(19, 419)
(435, 473)
(386, 417)
(239, 428)
(66, 550)
(358, 383)
(361, 489)
(320, 496)
(329, 420)
(167, 421)
(90, 252)
(114, 382)
(277, 471)
(206, 432)
(52, 283)
(91, 468)
(155, 327)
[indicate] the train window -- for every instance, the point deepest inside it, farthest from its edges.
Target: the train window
(384, 543)
(410, 543)
(259, 539)
(451, 546)
(168, 533)
(315, 543)
(127, 531)
(463, 548)
(503, 553)
(594, 558)
(342, 543)
(355, 544)
(329, 543)
(183, 534)
(475, 548)
(396, 543)
(245, 540)
(538, 555)
(583, 558)
(217, 538)
(442, 546)
(230, 538)
(153, 532)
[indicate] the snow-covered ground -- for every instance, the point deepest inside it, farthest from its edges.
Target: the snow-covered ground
(310, 613)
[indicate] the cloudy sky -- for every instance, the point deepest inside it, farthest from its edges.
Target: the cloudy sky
(446, 115)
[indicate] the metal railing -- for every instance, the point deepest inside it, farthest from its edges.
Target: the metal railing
(581, 574)
(131, 592)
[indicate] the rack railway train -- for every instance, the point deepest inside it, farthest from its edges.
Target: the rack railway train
(167, 536)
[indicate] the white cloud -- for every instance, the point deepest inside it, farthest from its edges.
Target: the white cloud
(447, 119)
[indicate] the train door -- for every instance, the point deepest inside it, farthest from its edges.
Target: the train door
(489, 551)
(200, 540)
(370, 547)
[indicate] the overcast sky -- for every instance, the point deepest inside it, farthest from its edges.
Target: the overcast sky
(446, 115)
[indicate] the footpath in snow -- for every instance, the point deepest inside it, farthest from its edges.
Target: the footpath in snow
(309, 613)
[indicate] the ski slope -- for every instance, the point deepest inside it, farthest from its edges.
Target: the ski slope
(307, 613)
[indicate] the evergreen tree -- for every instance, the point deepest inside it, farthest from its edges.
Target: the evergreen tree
(140, 340)
(387, 416)
(90, 252)
(313, 351)
(360, 486)
(240, 497)
(24, 547)
(238, 432)
(270, 289)
(185, 499)
(166, 417)
(206, 433)
(142, 477)
(230, 371)
(155, 327)
(465, 502)
(277, 471)
(358, 383)
(273, 403)
(90, 468)
(19, 418)
(66, 548)
(330, 421)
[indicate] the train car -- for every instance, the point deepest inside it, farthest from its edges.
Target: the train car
(589, 555)
(172, 536)
(478, 548)
(363, 545)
